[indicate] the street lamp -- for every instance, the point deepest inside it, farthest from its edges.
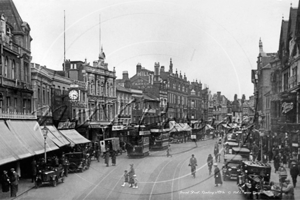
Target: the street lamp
(45, 133)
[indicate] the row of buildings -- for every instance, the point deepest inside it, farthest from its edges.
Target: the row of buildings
(276, 86)
(88, 94)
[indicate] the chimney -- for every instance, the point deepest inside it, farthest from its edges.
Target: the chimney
(125, 75)
(156, 69)
(95, 63)
(162, 69)
(138, 68)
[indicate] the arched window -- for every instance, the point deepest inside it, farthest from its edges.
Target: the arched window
(5, 67)
(13, 68)
(111, 90)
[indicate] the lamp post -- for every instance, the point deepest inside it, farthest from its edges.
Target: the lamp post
(45, 133)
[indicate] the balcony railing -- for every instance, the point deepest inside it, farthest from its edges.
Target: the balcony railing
(16, 115)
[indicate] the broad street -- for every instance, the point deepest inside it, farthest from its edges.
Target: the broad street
(159, 176)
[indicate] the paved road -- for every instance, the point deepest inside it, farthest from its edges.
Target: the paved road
(160, 177)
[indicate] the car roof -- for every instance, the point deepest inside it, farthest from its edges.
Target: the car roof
(256, 164)
(233, 157)
(231, 143)
(241, 149)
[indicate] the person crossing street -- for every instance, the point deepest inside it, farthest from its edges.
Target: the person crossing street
(193, 164)
(210, 162)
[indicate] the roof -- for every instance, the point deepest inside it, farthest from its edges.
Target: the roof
(123, 89)
(283, 33)
(8, 8)
(231, 143)
(292, 20)
(241, 149)
(232, 157)
(257, 164)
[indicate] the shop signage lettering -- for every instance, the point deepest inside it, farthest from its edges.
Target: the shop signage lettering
(286, 107)
(144, 132)
(115, 128)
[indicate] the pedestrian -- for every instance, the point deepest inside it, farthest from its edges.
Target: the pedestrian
(193, 164)
(294, 171)
(14, 182)
(282, 173)
(107, 158)
(216, 152)
(135, 182)
(65, 163)
(5, 182)
(217, 174)
(276, 162)
(33, 170)
(126, 178)
(131, 174)
(113, 157)
(284, 159)
(288, 191)
(210, 161)
(168, 151)
(251, 156)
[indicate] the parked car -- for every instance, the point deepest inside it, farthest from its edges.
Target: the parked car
(79, 161)
(243, 151)
(255, 179)
(232, 166)
(51, 175)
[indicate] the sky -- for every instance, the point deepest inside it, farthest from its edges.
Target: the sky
(212, 41)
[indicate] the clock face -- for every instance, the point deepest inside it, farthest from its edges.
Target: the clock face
(73, 94)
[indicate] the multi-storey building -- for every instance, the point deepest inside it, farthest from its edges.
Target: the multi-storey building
(123, 106)
(51, 99)
(15, 88)
(195, 101)
(101, 94)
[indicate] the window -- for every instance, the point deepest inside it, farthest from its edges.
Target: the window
(24, 105)
(44, 96)
(15, 105)
(5, 67)
(8, 103)
(13, 70)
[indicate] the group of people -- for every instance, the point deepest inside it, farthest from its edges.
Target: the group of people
(10, 182)
(130, 178)
(112, 154)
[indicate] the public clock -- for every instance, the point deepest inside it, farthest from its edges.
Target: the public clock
(73, 94)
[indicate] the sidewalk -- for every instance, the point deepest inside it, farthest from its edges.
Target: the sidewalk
(275, 179)
(24, 186)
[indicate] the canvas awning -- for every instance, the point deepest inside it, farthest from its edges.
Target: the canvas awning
(57, 137)
(74, 137)
(177, 127)
(16, 147)
(30, 134)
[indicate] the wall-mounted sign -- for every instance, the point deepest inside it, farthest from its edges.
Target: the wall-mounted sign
(144, 133)
(116, 128)
(286, 107)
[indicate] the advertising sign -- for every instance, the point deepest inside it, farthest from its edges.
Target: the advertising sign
(286, 107)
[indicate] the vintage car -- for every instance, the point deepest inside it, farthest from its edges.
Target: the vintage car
(79, 161)
(232, 165)
(243, 151)
(254, 179)
(228, 147)
(49, 174)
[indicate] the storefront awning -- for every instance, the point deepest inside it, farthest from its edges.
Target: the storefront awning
(74, 137)
(19, 151)
(30, 134)
(57, 137)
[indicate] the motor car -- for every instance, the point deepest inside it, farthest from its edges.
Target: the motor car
(228, 147)
(232, 166)
(254, 179)
(49, 174)
(79, 161)
(243, 151)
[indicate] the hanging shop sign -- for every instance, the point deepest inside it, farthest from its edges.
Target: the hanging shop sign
(144, 133)
(286, 107)
(117, 128)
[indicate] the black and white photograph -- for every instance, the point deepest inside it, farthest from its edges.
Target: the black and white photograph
(149, 99)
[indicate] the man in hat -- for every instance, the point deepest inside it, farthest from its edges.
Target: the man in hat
(193, 164)
(217, 174)
(294, 171)
(288, 191)
(14, 182)
(131, 174)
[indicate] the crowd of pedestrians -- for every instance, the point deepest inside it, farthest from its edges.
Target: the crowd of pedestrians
(10, 182)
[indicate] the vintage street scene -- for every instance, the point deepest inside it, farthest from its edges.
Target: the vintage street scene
(149, 99)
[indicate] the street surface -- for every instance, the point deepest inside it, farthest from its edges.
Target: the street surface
(160, 177)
